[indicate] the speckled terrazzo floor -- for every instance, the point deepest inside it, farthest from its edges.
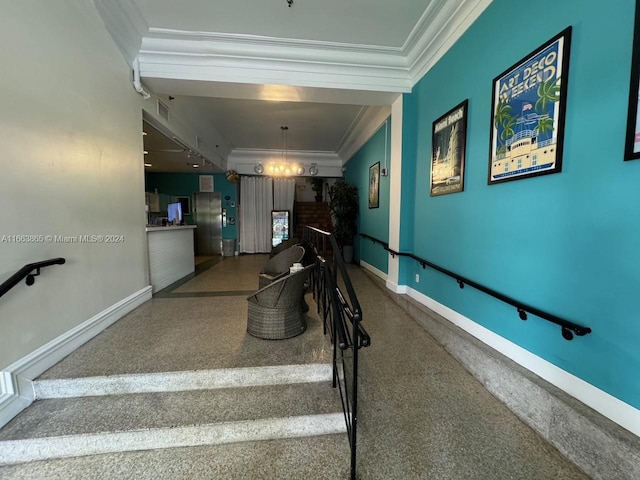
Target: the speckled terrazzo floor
(422, 415)
(195, 332)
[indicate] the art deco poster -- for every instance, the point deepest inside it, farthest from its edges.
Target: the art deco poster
(448, 151)
(527, 118)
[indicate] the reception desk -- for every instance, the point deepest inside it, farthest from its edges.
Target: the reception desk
(171, 254)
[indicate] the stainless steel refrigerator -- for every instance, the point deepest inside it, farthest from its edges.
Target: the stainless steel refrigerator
(208, 216)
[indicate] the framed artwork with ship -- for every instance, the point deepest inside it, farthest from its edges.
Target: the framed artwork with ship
(448, 146)
(528, 113)
(632, 141)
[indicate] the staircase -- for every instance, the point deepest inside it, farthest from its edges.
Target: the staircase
(128, 404)
(293, 403)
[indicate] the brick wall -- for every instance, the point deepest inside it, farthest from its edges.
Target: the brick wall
(314, 214)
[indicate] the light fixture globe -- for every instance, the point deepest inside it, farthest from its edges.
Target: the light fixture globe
(299, 170)
(313, 170)
(259, 169)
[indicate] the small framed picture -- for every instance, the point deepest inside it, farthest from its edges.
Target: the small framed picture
(374, 185)
(448, 146)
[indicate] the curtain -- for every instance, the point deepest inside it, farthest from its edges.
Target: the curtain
(284, 190)
(256, 203)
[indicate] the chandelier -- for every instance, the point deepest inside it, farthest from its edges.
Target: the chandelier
(282, 168)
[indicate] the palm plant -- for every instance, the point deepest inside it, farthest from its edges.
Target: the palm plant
(548, 92)
(507, 128)
(545, 124)
(503, 114)
(343, 204)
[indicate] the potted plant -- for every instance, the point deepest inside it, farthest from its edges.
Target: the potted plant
(343, 204)
(317, 185)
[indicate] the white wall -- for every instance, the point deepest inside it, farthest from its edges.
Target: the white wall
(70, 137)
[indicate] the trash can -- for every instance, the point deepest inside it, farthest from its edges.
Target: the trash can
(228, 247)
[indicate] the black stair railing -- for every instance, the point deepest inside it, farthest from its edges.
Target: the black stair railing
(568, 328)
(29, 272)
(342, 319)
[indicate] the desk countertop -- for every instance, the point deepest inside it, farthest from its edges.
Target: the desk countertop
(168, 229)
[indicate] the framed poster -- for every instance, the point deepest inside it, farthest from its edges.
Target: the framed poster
(374, 185)
(186, 205)
(206, 183)
(632, 139)
(448, 146)
(528, 109)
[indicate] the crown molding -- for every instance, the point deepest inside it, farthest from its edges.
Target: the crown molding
(364, 126)
(252, 59)
(244, 59)
(269, 42)
(125, 24)
(434, 36)
(254, 155)
(243, 160)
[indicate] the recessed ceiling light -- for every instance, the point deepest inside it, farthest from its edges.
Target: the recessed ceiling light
(145, 152)
(147, 165)
(144, 133)
(195, 165)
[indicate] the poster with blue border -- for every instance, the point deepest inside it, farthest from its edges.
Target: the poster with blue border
(528, 109)
(632, 141)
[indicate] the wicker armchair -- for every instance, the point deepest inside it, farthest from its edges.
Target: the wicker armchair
(282, 246)
(279, 265)
(275, 311)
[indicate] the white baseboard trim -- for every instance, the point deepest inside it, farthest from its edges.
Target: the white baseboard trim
(614, 409)
(374, 270)
(16, 389)
(395, 288)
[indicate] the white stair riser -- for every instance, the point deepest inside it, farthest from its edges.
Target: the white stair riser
(19, 451)
(181, 381)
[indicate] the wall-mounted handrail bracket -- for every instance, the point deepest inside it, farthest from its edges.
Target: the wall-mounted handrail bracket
(566, 333)
(31, 277)
(424, 265)
(568, 328)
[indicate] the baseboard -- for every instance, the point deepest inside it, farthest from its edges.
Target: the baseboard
(395, 288)
(552, 401)
(374, 270)
(16, 389)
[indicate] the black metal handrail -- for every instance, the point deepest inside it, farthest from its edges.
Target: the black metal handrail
(568, 327)
(342, 318)
(28, 272)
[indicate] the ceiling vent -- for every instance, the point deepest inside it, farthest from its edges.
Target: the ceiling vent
(163, 110)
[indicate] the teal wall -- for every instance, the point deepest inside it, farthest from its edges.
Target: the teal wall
(567, 242)
(186, 184)
(372, 221)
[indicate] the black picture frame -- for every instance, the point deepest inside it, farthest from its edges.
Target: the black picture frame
(185, 202)
(632, 138)
(528, 107)
(448, 151)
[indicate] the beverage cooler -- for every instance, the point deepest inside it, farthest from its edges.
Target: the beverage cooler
(279, 226)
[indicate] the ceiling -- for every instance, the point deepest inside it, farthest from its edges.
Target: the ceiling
(250, 66)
